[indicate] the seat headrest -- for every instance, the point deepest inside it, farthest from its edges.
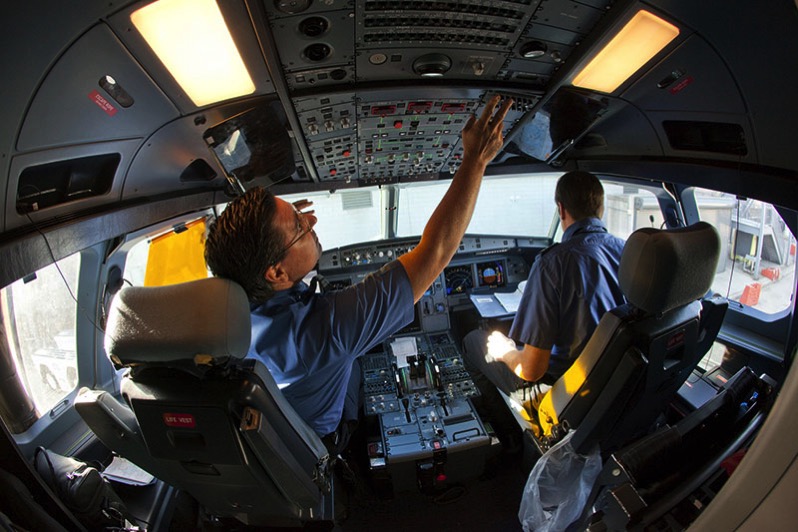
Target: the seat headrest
(205, 322)
(664, 269)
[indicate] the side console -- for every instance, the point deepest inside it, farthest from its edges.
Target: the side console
(428, 432)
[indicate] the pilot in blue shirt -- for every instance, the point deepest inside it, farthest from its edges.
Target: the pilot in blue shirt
(570, 286)
(310, 341)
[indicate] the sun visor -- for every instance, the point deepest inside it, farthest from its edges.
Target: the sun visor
(253, 147)
(559, 123)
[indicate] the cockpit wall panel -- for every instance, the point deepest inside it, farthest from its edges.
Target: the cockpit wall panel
(676, 94)
(759, 49)
(693, 78)
(18, 194)
(628, 132)
(162, 163)
(71, 106)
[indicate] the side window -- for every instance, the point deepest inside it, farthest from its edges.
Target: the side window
(757, 262)
(39, 314)
(170, 258)
(628, 208)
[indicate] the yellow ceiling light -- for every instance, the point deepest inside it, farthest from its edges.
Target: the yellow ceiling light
(643, 37)
(192, 40)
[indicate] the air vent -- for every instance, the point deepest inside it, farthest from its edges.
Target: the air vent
(360, 199)
(52, 184)
(317, 52)
(438, 23)
(476, 8)
(715, 137)
(484, 40)
(314, 26)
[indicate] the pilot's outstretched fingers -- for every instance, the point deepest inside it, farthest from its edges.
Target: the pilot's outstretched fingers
(482, 137)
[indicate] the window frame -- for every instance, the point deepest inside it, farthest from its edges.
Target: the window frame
(766, 335)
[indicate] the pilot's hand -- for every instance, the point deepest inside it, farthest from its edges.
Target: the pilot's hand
(482, 137)
(498, 346)
(303, 204)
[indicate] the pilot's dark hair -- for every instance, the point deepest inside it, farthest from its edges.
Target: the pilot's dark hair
(244, 241)
(581, 194)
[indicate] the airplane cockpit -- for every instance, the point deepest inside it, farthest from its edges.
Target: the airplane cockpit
(129, 126)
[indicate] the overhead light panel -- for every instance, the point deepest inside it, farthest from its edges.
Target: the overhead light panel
(192, 40)
(643, 37)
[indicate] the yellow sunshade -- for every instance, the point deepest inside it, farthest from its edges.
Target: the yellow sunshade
(177, 257)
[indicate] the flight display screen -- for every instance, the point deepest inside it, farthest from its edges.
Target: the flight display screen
(459, 279)
(491, 274)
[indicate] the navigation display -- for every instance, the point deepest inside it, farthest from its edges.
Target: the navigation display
(459, 279)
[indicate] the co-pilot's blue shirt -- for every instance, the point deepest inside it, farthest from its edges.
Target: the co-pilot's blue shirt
(309, 341)
(571, 285)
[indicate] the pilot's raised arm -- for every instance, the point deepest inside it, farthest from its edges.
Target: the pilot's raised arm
(310, 341)
(482, 140)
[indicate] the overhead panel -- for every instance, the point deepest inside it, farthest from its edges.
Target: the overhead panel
(460, 40)
(322, 51)
(402, 125)
(411, 139)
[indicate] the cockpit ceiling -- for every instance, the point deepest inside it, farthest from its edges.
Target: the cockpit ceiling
(372, 92)
(379, 136)
(359, 132)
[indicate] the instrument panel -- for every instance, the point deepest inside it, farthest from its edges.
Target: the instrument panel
(418, 392)
(482, 264)
(364, 131)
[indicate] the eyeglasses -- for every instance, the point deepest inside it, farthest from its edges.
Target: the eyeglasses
(303, 227)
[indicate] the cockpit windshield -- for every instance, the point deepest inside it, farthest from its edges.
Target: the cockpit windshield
(519, 205)
(515, 205)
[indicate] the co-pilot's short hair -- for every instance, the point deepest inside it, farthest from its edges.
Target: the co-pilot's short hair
(581, 194)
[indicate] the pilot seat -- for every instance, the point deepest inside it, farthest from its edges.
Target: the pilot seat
(199, 416)
(642, 351)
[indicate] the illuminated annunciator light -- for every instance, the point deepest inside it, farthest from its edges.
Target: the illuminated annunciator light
(192, 40)
(643, 37)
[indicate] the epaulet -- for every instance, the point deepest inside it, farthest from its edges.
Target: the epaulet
(546, 250)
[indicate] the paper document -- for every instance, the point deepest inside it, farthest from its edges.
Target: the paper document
(403, 348)
(126, 472)
(511, 300)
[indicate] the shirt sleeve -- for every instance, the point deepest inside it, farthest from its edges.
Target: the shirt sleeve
(537, 321)
(368, 312)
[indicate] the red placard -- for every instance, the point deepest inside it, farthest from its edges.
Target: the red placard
(102, 103)
(183, 421)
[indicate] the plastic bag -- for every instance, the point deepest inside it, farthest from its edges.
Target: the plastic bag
(558, 487)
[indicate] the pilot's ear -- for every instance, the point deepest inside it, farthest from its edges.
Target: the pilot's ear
(561, 211)
(276, 274)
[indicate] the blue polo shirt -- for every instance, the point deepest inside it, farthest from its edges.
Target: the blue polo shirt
(570, 286)
(309, 341)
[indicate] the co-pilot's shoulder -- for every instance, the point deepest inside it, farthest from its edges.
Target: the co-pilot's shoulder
(549, 250)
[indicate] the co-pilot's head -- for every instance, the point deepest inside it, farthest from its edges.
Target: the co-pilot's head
(579, 195)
